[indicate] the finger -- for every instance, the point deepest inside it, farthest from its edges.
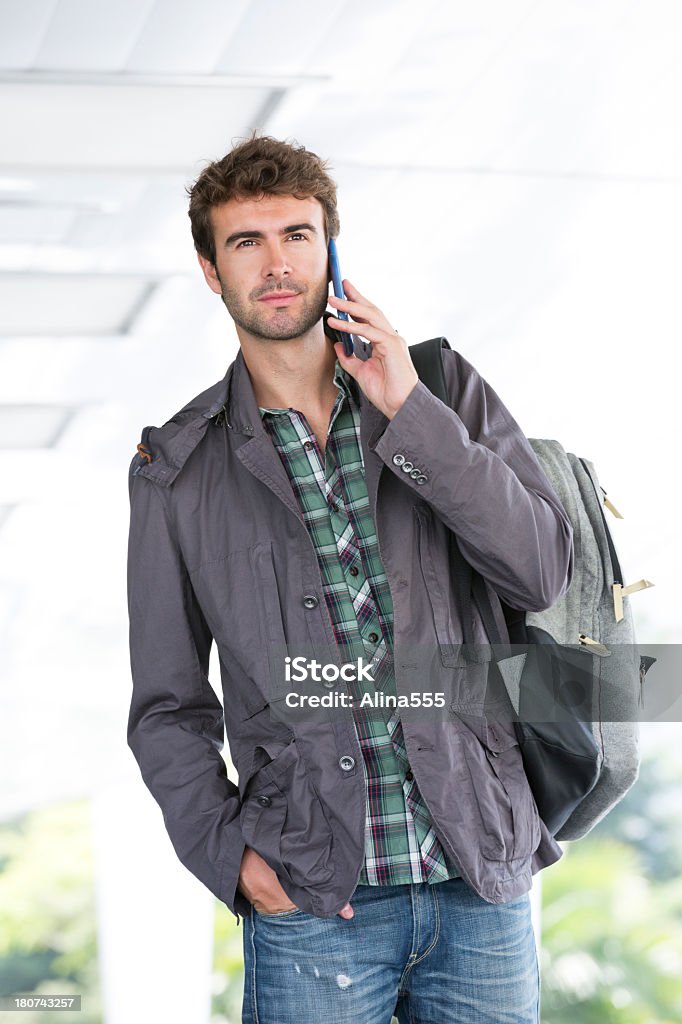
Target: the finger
(363, 314)
(350, 290)
(347, 363)
(374, 334)
(361, 310)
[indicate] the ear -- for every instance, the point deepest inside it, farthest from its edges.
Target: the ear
(210, 274)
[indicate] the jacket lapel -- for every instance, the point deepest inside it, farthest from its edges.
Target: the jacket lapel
(260, 457)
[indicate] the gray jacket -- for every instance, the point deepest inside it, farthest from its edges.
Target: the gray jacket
(218, 551)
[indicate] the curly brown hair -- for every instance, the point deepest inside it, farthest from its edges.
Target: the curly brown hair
(258, 166)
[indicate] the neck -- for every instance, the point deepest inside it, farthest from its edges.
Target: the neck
(298, 373)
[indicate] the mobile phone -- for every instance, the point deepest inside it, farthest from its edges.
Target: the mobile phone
(349, 340)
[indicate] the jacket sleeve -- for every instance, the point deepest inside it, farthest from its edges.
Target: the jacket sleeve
(176, 725)
(484, 481)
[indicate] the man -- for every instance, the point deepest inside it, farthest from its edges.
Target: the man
(380, 858)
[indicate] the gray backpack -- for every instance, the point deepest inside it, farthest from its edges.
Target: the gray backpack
(574, 675)
(594, 613)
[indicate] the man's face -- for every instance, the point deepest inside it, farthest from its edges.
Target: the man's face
(271, 264)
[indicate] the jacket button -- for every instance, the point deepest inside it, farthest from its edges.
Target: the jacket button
(407, 467)
(264, 801)
(373, 637)
(421, 479)
(310, 601)
(329, 683)
(347, 762)
(415, 473)
(398, 459)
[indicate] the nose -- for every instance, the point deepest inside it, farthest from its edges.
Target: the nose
(275, 263)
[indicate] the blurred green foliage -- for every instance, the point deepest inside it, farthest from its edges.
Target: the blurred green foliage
(228, 968)
(48, 938)
(611, 947)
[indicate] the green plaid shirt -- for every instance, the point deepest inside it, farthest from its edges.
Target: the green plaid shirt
(400, 844)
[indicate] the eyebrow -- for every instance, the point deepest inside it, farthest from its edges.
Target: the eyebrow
(259, 234)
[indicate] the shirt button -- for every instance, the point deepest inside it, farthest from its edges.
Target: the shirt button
(373, 637)
(334, 507)
(310, 601)
(354, 570)
(398, 459)
(409, 776)
(264, 801)
(347, 762)
(308, 445)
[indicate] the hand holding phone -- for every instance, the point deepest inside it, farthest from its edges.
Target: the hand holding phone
(348, 339)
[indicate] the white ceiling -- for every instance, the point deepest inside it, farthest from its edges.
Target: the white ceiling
(510, 176)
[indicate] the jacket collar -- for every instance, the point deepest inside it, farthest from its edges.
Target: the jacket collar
(167, 448)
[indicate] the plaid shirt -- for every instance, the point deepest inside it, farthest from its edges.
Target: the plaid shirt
(400, 844)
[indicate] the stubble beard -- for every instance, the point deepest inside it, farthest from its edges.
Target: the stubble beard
(258, 320)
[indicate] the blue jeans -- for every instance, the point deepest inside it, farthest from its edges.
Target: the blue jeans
(430, 954)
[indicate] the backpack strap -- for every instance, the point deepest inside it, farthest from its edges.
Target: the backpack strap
(428, 362)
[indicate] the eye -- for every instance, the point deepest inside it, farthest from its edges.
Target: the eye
(245, 241)
(298, 234)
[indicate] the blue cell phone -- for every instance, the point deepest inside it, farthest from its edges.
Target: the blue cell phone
(349, 340)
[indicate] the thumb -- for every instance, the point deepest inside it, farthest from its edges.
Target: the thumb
(347, 363)
(347, 912)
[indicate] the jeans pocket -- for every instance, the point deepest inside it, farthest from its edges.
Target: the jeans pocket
(279, 913)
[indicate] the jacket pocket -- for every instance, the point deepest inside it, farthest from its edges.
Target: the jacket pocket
(283, 820)
(509, 815)
(240, 599)
(272, 624)
(436, 584)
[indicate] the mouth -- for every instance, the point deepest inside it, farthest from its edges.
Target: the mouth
(279, 298)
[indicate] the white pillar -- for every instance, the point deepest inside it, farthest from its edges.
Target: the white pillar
(154, 919)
